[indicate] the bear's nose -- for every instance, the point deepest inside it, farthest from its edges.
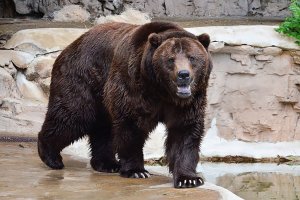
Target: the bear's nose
(183, 74)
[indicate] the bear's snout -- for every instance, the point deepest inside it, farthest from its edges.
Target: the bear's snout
(183, 75)
(183, 84)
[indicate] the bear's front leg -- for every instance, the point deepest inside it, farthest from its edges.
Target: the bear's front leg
(182, 149)
(129, 141)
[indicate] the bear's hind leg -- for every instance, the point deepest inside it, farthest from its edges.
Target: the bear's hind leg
(52, 139)
(103, 157)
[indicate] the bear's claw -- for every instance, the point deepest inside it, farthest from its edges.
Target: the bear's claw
(136, 174)
(107, 167)
(189, 182)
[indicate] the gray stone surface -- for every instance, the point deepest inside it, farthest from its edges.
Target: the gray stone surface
(161, 8)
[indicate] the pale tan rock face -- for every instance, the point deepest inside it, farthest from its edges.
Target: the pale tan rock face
(255, 97)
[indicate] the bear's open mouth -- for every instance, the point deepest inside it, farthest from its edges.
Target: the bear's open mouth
(184, 91)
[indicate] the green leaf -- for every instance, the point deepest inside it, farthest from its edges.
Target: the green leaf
(291, 25)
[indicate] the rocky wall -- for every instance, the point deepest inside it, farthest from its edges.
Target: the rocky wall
(25, 74)
(156, 8)
(254, 90)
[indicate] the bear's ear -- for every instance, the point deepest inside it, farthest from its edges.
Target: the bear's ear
(155, 39)
(204, 39)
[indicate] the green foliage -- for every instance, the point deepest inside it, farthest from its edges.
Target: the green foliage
(291, 25)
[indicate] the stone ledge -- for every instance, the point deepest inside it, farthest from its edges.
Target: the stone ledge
(254, 35)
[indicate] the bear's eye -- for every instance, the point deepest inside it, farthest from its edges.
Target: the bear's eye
(171, 60)
(192, 58)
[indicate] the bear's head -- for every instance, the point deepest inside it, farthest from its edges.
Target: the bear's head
(179, 62)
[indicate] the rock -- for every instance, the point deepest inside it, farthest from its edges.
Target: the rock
(46, 7)
(4, 37)
(268, 8)
(182, 9)
(257, 36)
(11, 69)
(94, 7)
(128, 16)
(109, 5)
(10, 106)
(71, 13)
(5, 57)
(22, 7)
(30, 90)
(216, 46)
(244, 59)
(241, 50)
(263, 57)
(30, 48)
(297, 59)
(280, 65)
(20, 59)
(8, 86)
(154, 8)
(48, 39)
(21, 117)
(273, 51)
(45, 85)
(41, 67)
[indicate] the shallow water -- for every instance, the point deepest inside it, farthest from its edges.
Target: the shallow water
(258, 181)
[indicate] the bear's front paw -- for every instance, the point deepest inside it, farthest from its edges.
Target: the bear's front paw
(108, 167)
(188, 182)
(135, 174)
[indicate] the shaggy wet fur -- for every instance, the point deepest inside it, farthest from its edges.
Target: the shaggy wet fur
(114, 84)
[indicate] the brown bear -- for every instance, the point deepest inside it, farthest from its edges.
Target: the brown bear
(115, 83)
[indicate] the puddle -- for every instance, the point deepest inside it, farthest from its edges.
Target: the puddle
(258, 181)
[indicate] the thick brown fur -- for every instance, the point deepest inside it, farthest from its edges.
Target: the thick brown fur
(115, 83)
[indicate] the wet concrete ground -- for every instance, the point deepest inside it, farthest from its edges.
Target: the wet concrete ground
(24, 176)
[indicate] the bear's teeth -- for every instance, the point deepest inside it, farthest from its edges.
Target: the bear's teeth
(184, 89)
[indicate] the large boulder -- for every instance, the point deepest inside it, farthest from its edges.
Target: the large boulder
(45, 39)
